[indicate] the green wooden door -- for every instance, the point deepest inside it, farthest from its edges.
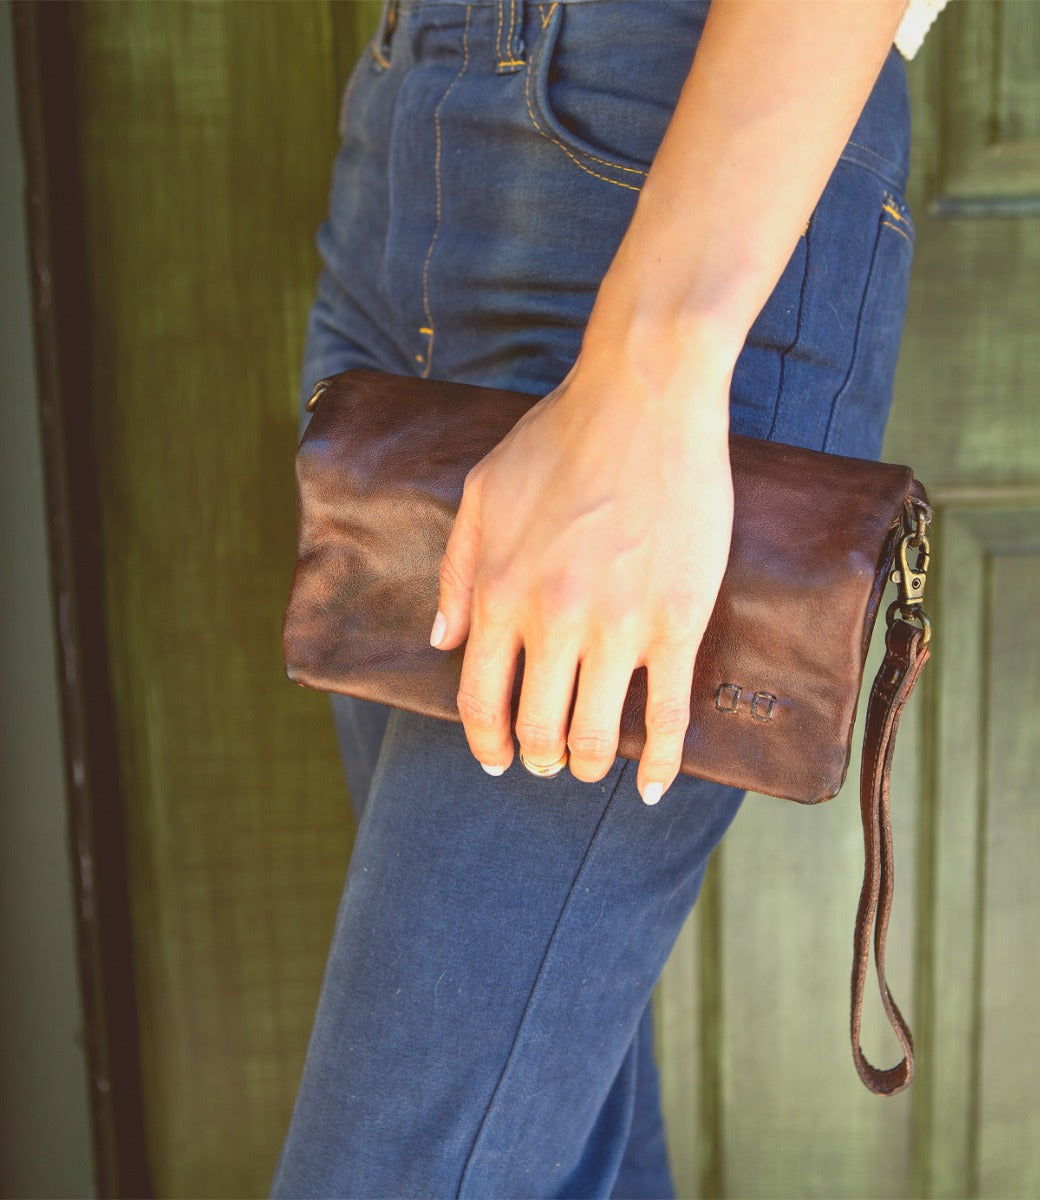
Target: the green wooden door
(196, 139)
(761, 1095)
(207, 133)
(203, 137)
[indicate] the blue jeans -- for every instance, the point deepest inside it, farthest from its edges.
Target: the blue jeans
(484, 1025)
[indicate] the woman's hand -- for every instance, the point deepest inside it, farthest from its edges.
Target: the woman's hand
(594, 538)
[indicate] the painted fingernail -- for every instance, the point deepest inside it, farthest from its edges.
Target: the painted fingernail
(440, 628)
(652, 793)
(496, 771)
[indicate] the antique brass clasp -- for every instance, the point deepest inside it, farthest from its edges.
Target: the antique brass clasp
(911, 579)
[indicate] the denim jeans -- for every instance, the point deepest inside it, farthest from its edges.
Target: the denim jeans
(484, 1025)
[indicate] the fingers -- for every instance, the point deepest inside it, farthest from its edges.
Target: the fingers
(546, 728)
(669, 672)
(457, 572)
(489, 666)
(595, 725)
(545, 701)
(486, 687)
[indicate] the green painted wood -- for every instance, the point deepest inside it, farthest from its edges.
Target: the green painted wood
(962, 950)
(946, 1014)
(1008, 1042)
(971, 413)
(207, 134)
(989, 148)
(678, 1042)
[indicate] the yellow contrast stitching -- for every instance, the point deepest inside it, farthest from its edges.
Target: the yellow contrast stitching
(566, 149)
(889, 206)
(902, 232)
(383, 62)
(437, 179)
(547, 16)
(500, 46)
(498, 29)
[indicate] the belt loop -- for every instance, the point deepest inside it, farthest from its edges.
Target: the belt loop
(385, 33)
(510, 51)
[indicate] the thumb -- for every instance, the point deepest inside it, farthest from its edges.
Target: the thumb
(457, 572)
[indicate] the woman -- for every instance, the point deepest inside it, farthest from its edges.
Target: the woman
(549, 197)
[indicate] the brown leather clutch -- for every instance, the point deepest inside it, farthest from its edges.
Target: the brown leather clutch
(816, 537)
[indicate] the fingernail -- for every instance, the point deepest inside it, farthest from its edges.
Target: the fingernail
(652, 793)
(496, 771)
(440, 628)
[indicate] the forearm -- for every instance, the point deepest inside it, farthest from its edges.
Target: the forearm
(773, 94)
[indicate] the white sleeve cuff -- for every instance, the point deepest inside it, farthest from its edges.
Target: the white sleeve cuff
(916, 22)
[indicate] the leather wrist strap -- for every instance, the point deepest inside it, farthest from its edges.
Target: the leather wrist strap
(906, 653)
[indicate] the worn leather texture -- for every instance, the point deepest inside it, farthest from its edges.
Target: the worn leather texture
(380, 472)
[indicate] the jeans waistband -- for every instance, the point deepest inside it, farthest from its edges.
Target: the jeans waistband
(877, 142)
(510, 52)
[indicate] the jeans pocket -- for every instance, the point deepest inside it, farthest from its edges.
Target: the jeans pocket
(604, 80)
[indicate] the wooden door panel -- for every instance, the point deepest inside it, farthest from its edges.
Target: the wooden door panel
(1008, 1045)
(947, 1016)
(978, 1028)
(686, 1047)
(986, 148)
(206, 137)
(970, 408)
(966, 412)
(788, 1115)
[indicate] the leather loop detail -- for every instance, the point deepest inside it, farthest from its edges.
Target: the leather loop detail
(905, 656)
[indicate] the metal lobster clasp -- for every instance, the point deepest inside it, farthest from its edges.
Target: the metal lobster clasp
(910, 576)
(911, 579)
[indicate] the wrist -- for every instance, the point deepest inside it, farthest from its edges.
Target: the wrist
(684, 409)
(678, 299)
(661, 365)
(670, 337)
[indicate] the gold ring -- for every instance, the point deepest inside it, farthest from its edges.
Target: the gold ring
(543, 771)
